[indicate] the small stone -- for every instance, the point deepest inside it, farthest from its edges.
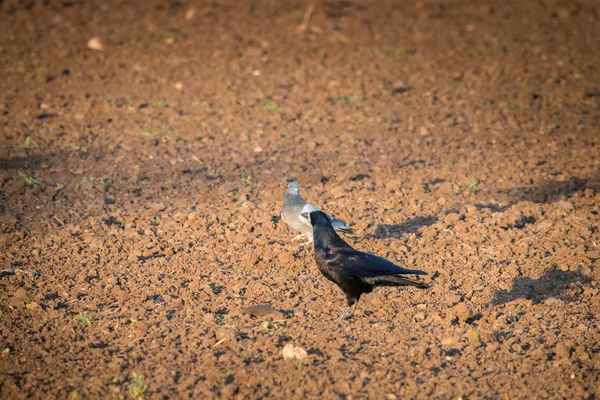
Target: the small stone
(552, 302)
(453, 298)
(190, 13)
(564, 205)
(95, 44)
(241, 238)
(248, 204)
(449, 341)
(285, 257)
(472, 336)
(337, 356)
(229, 391)
(209, 318)
(293, 352)
(33, 306)
(225, 333)
(19, 298)
(419, 316)
(20, 294)
(462, 312)
(452, 218)
(390, 396)
(561, 351)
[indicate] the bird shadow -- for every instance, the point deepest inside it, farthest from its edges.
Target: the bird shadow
(413, 225)
(553, 283)
(544, 193)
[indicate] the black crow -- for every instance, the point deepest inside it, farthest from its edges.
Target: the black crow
(353, 271)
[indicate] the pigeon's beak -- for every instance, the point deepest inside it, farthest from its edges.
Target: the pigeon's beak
(305, 215)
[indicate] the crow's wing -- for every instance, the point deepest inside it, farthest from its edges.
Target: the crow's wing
(366, 265)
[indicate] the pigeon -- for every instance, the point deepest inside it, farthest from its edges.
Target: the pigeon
(355, 272)
(292, 214)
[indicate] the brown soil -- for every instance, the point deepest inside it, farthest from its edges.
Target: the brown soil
(141, 187)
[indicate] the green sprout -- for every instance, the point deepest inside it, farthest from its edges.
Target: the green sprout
(483, 52)
(137, 387)
(355, 98)
(271, 106)
(31, 181)
(83, 318)
(214, 110)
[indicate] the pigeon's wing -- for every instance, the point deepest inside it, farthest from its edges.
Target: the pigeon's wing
(340, 225)
(366, 265)
(306, 210)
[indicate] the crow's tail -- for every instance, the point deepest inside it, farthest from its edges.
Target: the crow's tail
(395, 280)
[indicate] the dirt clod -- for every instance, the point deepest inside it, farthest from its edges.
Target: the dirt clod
(461, 311)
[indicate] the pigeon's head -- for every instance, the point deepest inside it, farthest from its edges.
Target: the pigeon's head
(316, 217)
(293, 188)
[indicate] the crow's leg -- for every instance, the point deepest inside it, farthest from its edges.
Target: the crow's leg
(348, 312)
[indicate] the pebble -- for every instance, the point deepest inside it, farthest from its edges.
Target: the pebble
(292, 352)
(190, 13)
(209, 318)
(229, 391)
(561, 351)
(564, 205)
(241, 238)
(33, 306)
(95, 44)
(419, 316)
(552, 301)
(472, 336)
(337, 356)
(285, 257)
(452, 218)
(453, 298)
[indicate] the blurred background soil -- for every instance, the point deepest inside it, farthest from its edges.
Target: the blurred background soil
(145, 148)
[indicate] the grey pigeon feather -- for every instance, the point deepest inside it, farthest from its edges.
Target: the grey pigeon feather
(293, 208)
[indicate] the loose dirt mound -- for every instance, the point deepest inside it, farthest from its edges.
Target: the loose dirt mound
(146, 147)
